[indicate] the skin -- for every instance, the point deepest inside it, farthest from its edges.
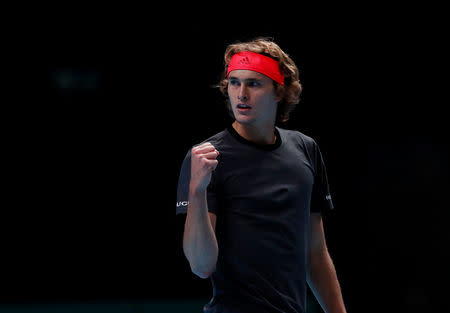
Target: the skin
(257, 125)
(256, 90)
(199, 240)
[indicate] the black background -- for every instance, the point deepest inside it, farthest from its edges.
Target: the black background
(105, 111)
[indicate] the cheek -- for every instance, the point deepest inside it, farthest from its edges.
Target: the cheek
(266, 98)
(231, 93)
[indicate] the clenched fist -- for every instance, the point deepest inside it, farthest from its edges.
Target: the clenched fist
(203, 162)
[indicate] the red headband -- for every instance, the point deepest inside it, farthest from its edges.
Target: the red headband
(247, 60)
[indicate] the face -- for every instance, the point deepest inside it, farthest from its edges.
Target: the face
(252, 97)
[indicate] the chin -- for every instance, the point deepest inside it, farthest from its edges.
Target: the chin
(244, 120)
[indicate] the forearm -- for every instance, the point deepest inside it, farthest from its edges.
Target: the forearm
(199, 239)
(324, 283)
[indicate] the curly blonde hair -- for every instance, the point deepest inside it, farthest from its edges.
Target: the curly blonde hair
(289, 92)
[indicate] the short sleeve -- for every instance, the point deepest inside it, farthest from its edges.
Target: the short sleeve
(183, 188)
(321, 198)
(183, 185)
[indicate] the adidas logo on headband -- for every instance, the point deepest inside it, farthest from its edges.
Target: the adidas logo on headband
(244, 60)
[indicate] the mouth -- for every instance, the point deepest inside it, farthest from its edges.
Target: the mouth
(243, 107)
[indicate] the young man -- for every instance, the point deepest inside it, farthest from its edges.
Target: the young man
(254, 194)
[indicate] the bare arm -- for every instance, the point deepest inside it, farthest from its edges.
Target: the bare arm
(199, 239)
(321, 274)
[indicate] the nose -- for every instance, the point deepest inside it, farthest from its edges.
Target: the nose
(243, 96)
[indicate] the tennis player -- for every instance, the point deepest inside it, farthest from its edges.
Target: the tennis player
(254, 195)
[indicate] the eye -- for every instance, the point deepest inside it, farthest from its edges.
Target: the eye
(234, 82)
(253, 83)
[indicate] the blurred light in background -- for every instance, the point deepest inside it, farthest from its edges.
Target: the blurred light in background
(69, 81)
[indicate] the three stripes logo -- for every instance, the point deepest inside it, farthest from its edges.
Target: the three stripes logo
(244, 61)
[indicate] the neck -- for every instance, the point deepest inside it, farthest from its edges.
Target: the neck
(259, 135)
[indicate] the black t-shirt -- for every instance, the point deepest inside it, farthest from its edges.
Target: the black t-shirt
(262, 196)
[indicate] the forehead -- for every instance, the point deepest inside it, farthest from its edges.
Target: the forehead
(247, 74)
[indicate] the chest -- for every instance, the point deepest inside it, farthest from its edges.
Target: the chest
(266, 181)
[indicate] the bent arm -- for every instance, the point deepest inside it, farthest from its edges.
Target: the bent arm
(199, 239)
(321, 273)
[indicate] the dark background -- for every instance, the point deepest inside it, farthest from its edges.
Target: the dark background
(106, 110)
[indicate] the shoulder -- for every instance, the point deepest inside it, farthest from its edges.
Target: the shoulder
(297, 137)
(298, 141)
(216, 139)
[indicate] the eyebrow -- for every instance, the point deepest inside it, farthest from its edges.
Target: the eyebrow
(246, 79)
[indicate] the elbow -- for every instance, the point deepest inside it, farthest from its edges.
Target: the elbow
(203, 273)
(202, 267)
